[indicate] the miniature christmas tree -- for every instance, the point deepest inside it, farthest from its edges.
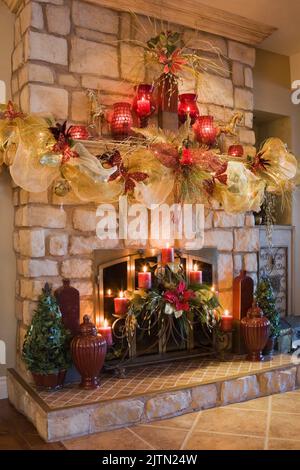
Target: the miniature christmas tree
(266, 301)
(46, 345)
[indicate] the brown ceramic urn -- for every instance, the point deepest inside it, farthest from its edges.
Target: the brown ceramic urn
(88, 353)
(255, 330)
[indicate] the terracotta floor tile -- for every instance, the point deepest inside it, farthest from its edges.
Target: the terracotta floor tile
(284, 425)
(260, 404)
(161, 438)
(211, 441)
(184, 421)
(282, 444)
(231, 420)
(286, 402)
(120, 439)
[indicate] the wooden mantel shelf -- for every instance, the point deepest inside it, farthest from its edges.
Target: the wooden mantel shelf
(190, 13)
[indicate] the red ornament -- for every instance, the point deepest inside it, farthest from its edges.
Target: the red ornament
(121, 121)
(236, 150)
(186, 158)
(88, 351)
(78, 133)
(143, 103)
(205, 130)
(256, 331)
(187, 106)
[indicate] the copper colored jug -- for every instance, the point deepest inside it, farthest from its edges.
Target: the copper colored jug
(255, 330)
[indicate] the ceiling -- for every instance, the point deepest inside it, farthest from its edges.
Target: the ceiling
(283, 14)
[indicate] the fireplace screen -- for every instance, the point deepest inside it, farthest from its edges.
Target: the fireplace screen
(117, 271)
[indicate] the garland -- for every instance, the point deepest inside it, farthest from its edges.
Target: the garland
(158, 166)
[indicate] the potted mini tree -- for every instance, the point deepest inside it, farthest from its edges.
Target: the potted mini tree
(265, 299)
(46, 349)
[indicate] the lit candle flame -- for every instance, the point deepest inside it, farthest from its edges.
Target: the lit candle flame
(213, 289)
(195, 267)
(121, 294)
(109, 292)
(226, 313)
(144, 269)
(168, 245)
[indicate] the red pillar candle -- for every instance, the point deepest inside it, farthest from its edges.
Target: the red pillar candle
(121, 304)
(144, 279)
(106, 332)
(226, 321)
(167, 255)
(196, 276)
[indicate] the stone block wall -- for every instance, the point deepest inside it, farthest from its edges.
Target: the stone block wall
(62, 48)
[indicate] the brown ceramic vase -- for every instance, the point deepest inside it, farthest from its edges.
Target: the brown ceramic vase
(255, 330)
(88, 353)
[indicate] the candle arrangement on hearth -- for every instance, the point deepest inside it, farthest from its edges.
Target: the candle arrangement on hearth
(171, 300)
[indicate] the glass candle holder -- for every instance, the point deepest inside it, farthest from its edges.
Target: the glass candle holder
(79, 133)
(187, 105)
(121, 120)
(205, 130)
(143, 103)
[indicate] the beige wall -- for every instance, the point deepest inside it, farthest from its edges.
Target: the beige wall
(7, 257)
(273, 75)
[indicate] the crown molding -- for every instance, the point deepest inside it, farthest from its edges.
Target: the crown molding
(194, 14)
(189, 13)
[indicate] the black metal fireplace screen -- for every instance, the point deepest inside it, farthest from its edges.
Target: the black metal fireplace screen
(117, 271)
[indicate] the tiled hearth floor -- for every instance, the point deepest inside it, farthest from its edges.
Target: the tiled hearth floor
(264, 423)
(159, 378)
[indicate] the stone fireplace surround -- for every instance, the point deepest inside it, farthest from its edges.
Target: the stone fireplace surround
(63, 47)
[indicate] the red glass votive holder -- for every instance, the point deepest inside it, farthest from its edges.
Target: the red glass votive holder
(78, 133)
(205, 130)
(143, 103)
(187, 106)
(121, 120)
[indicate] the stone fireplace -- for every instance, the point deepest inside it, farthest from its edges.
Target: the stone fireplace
(63, 48)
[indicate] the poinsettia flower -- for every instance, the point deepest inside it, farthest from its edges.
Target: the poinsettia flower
(179, 298)
(10, 112)
(260, 163)
(130, 178)
(173, 63)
